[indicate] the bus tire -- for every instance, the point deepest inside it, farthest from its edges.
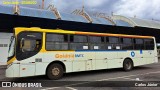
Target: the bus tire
(127, 65)
(55, 71)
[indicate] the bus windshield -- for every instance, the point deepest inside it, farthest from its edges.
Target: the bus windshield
(11, 47)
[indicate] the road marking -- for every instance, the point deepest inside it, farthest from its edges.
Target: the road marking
(137, 79)
(132, 79)
(129, 76)
(71, 88)
(59, 87)
(122, 77)
(79, 83)
(50, 88)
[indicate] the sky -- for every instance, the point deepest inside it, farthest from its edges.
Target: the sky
(144, 9)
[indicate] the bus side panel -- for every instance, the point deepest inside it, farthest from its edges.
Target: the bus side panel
(136, 59)
(41, 68)
(41, 65)
(64, 57)
(84, 61)
(142, 57)
(149, 56)
(101, 60)
(112, 60)
(68, 65)
(78, 65)
(27, 69)
(122, 55)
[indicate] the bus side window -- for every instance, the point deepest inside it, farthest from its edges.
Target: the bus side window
(139, 44)
(96, 43)
(127, 43)
(30, 42)
(149, 44)
(114, 43)
(56, 41)
(78, 42)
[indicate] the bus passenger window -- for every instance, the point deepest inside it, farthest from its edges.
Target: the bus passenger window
(149, 44)
(114, 43)
(96, 43)
(139, 44)
(57, 42)
(113, 40)
(127, 43)
(78, 42)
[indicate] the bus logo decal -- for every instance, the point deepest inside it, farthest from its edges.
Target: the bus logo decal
(141, 52)
(79, 55)
(133, 54)
(69, 55)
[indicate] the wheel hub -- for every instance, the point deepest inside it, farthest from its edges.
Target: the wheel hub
(55, 71)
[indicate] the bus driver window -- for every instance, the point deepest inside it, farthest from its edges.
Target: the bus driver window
(28, 45)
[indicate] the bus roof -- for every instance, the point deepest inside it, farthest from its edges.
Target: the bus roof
(37, 29)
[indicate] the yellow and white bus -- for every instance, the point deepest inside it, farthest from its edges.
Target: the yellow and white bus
(36, 51)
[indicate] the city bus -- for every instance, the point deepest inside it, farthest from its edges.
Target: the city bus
(53, 52)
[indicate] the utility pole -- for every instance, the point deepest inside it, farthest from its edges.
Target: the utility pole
(42, 4)
(83, 6)
(16, 8)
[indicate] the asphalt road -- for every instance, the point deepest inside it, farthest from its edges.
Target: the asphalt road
(88, 80)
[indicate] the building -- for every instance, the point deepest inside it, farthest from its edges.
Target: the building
(11, 16)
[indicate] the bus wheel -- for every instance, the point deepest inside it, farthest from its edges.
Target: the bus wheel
(55, 71)
(127, 65)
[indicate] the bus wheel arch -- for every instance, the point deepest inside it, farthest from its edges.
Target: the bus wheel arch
(55, 66)
(128, 64)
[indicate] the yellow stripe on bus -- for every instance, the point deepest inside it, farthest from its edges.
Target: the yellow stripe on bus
(11, 60)
(18, 30)
(113, 35)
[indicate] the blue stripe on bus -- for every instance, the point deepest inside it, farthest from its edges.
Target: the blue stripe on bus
(101, 51)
